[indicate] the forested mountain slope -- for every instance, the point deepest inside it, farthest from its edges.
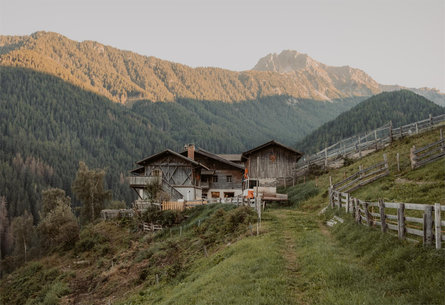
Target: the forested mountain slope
(126, 76)
(48, 126)
(401, 107)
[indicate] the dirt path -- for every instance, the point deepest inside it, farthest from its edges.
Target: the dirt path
(319, 269)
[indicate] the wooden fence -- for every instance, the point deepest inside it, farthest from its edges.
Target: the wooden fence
(428, 153)
(182, 205)
(407, 219)
(373, 140)
(363, 176)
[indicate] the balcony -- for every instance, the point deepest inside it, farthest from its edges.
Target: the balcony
(140, 182)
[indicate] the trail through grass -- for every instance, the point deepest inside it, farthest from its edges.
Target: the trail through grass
(296, 260)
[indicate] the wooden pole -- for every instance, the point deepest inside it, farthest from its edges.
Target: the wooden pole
(347, 203)
(367, 214)
(326, 157)
(358, 217)
(431, 121)
(390, 131)
(401, 221)
(428, 225)
(353, 207)
(382, 215)
(412, 157)
(417, 128)
(330, 181)
(437, 224)
(398, 162)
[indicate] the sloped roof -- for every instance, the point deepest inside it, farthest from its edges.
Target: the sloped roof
(169, 151)
(231, 157)
(216, 157)
(270, 143)
(138, 170)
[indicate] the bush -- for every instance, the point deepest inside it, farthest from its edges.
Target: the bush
(164, 218)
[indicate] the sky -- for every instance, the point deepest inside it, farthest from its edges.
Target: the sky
(394, 41)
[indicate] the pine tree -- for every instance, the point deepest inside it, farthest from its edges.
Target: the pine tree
(59, 225)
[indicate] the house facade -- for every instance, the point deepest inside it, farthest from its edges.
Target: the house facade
(196, 174)
(223, 179)
(179, 176)
(270, 161)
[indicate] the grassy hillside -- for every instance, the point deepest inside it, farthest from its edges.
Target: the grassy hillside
(48, 126)
(296, 259)
(400, 107)
(112, 259)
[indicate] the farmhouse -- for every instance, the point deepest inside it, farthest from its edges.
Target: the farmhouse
(270, 161)
(196, 174)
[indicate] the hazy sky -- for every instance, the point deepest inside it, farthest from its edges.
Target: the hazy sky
(395, 41)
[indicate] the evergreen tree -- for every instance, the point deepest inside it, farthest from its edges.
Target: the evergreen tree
(59, 225)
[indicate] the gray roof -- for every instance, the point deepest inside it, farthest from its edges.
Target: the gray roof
(169, 151)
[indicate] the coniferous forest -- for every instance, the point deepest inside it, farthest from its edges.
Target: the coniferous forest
(399, 107)
(48, 126)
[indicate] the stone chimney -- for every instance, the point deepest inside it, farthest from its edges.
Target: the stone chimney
(191, 151)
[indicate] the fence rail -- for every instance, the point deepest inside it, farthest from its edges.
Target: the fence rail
(428, 153)
(363, 176)
(407, 219)
(182, 205)
(373, 140)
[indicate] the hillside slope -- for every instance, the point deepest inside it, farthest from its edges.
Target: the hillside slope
(126, 76)
(400, 107)
(49, 125)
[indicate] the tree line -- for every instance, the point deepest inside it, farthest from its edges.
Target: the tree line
(23, 238)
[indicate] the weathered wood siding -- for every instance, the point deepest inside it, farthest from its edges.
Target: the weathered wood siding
(174, 171)
(271, 162)
(222, 170)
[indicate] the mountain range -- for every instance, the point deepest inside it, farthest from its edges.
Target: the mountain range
(63, 101)
(125, 76)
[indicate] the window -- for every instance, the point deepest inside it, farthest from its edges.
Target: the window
(229, 194)
(215, 194)
(228, 178)
(156, 173)
(215, 179)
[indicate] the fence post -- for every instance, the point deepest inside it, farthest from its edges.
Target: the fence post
(428, 225)
(347, 203)
(398, 162)
(437, 225)
(331, 197)
(326, 157)
(385, 158)
(382, 215)
(401, 221)
(431, 121)
(353, 207)
(359, 147)
(390, 131)
(358, 217)
(367, 214)
(417, 128)
(412, 157)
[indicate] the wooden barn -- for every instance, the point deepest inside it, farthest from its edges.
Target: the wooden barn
(270, 161)
(223, 179)
(180, 175)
